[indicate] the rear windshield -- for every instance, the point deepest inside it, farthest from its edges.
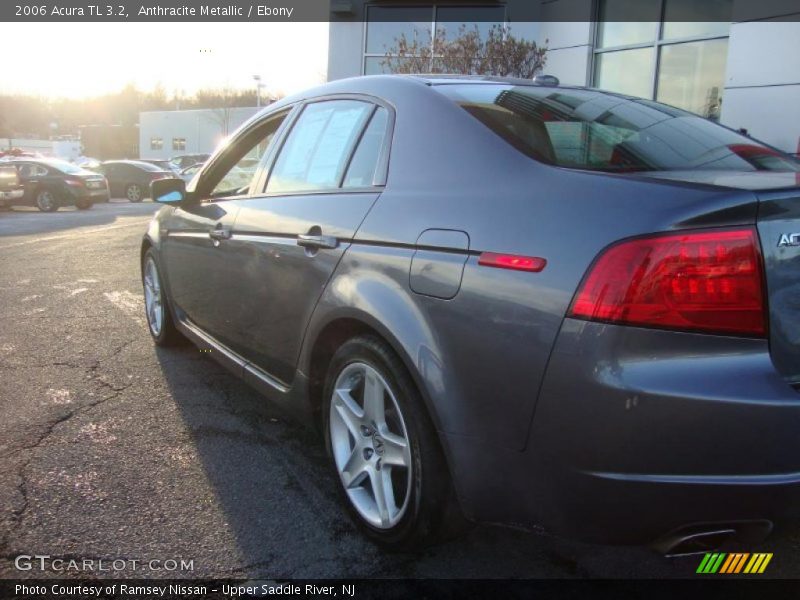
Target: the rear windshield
(589, 129)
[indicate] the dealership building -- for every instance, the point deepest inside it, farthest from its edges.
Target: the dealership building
(736, 67)
(167, 133)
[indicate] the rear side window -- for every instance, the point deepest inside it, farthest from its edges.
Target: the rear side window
(361, 172)
(317, 149)
(589, 129)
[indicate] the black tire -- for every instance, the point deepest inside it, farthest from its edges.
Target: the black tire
(168, 334)
(46, 200)
(134, 192)
(83, 204)
(432, 512)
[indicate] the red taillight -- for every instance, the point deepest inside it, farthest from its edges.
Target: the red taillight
(512, 261)
(709, 281)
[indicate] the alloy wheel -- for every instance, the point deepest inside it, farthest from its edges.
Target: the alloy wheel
(370, 445)
(152, 297)
(134, 193)
(45, 200)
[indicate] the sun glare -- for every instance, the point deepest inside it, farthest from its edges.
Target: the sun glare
(87, 59)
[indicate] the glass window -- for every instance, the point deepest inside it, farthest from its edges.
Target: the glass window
(315, 152)
(690, 45)
(692, 76)
(156, 143)
(386, 24)
(625, 22)
(628, 136)
(361, 172)
(146, 166)
(179, 143)
(689, 18)
(450, 19)
(625, 71)
(373, 65)
(243, 159)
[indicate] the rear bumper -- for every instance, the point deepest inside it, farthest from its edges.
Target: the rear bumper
(640, 432)
(93, 195)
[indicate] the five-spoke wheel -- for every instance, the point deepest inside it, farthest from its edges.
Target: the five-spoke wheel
(392, 473)
(370, 445)
(152, 297)
(156, 303)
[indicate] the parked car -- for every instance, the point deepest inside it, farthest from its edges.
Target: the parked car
(187, 160)
(51, 183)
(11, 189)
(131, 178)
(189, 172)
(236, 177)
(164, 165)
(520, 303)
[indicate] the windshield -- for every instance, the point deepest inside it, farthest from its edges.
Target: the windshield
(589, 129)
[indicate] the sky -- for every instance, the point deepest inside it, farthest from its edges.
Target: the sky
(79, 60)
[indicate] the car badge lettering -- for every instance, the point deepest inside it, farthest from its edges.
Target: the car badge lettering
(789, 239)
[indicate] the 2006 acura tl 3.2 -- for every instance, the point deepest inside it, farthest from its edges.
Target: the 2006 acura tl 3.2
(517, 302)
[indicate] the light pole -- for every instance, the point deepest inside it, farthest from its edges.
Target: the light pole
(259, 85)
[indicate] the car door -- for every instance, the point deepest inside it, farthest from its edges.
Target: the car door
(287, 241)
(32, 176)
(111, 172)
(198, 256)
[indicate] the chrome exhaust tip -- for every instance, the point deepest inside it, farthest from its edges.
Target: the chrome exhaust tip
(699, 538)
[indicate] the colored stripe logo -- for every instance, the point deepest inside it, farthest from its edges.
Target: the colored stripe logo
(744, 562)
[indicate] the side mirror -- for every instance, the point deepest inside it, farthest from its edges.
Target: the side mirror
(168, 191)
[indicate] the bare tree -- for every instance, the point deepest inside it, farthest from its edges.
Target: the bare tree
(500, 53)
(222, 102)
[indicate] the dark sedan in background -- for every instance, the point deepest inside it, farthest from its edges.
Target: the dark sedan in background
(520, 303)
(131, 179)
(50, 184)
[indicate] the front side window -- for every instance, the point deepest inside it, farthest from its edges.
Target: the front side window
(236, 172)
(317, 149)
(564, 128)
(673, 51)
(32, 170)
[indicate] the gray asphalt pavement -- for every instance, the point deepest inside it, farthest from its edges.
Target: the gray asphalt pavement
(112, 449)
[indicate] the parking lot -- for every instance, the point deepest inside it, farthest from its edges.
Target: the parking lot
(111, 449)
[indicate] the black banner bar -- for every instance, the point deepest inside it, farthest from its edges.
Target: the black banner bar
(707, 588)
(284, 11)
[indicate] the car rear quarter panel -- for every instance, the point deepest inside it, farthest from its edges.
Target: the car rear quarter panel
(482, 354)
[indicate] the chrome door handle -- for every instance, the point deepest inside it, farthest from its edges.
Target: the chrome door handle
(219, 233)
(317, 241)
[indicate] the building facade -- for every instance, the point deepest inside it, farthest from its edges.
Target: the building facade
(167, 133)
(735, 67)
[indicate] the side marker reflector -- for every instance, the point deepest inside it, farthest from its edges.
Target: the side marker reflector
(532, 264)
